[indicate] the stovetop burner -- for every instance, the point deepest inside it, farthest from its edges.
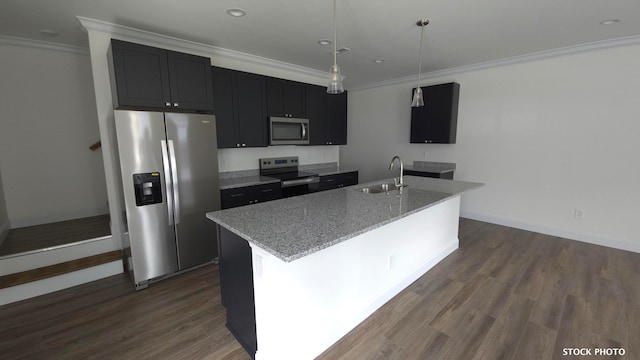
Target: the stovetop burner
(286, 169)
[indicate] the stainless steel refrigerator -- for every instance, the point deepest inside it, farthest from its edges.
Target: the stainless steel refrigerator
(169, 167)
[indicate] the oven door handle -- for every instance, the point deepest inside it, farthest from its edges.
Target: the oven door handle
(303, 181)
(304, 131)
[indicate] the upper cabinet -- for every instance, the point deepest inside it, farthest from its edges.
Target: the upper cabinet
(436, 121)
(285, 98)
(149, 77)
(240, 108)
(316, 104)
(337, 119)
(327, 114)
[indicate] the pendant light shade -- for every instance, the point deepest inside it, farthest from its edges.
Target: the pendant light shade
(335, 78)
(418, 100)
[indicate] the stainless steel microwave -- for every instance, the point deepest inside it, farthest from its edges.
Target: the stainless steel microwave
(288, 131)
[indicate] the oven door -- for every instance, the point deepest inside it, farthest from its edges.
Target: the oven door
(298, 186)
(288, 131)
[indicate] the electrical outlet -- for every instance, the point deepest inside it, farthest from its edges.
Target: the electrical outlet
(578, 214)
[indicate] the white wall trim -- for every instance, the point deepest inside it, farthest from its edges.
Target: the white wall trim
(192, 46)
(15, 41)
(60, 282)
(598, 45)
(590, 238)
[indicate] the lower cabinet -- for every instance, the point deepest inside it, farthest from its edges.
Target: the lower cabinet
(440, 175)
(335, 181)
(230, 198)
(236, 287)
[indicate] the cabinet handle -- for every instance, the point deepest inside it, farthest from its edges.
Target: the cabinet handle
(236, 195)
(175, 105)
(167, 104)
(266, 190)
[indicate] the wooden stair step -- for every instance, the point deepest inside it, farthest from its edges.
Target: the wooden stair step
(24, 277)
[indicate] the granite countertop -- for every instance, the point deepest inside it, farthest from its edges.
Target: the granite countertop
(332, 170)
(431, 167)
(295, 227)
(238, 182)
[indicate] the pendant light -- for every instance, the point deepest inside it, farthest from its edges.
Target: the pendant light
(417, 94)
(335, 79)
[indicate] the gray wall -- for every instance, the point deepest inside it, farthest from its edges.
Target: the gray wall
(546, 136)
(48, 121)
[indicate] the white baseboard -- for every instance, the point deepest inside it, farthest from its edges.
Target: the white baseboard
(60, 282)
(590, 238)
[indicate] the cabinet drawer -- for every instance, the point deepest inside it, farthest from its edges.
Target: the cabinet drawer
(335, 181)
(248, 195)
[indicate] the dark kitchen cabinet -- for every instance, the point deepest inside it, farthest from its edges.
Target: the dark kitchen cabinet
(439, 175)
(248, 195)
(337, 119)
(149, 77)
(236, 288)
(327, 114)
(334, 181)
(285, 98)
(436, 121)
(316, 105)
(240, 107)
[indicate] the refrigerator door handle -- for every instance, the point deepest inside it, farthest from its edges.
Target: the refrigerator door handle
(167, 180)
(174, 175)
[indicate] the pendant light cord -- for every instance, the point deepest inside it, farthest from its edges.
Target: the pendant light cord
(420, 55)
(335, 63)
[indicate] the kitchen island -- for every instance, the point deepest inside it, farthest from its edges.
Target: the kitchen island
(299, 273)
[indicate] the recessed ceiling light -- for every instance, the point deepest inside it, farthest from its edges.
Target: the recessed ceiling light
(378, 60)
(236, 12)
(49, 32)
(609, 22)
(325, 42)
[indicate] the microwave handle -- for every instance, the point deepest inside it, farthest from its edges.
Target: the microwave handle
(304, 131)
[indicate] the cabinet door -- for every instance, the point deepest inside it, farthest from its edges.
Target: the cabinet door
(285, 98)
(316, 104)
(436, 121)
(294, 99)
(350, 178)
(252, 121)
(190, 80)
(223, 104)
(337, 119)
(141, 75)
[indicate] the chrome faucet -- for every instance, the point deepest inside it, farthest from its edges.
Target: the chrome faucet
(401, 183)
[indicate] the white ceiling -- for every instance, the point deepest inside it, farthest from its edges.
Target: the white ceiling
(461, 32)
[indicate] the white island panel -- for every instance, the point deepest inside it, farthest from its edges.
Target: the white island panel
(304, 306)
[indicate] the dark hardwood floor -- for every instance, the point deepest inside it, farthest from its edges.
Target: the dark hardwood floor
(505, 294)
(44, 236)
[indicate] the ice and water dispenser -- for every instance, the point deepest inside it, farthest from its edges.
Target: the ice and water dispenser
(148, 188)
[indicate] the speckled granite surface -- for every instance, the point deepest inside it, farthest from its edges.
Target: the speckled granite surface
(237, 182)
(431, 166)
(294, 227)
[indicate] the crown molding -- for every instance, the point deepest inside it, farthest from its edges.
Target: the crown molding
(15, 41)
(191, 46)
(598, 45)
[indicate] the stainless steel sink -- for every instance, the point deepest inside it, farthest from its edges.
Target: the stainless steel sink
(381, 188)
